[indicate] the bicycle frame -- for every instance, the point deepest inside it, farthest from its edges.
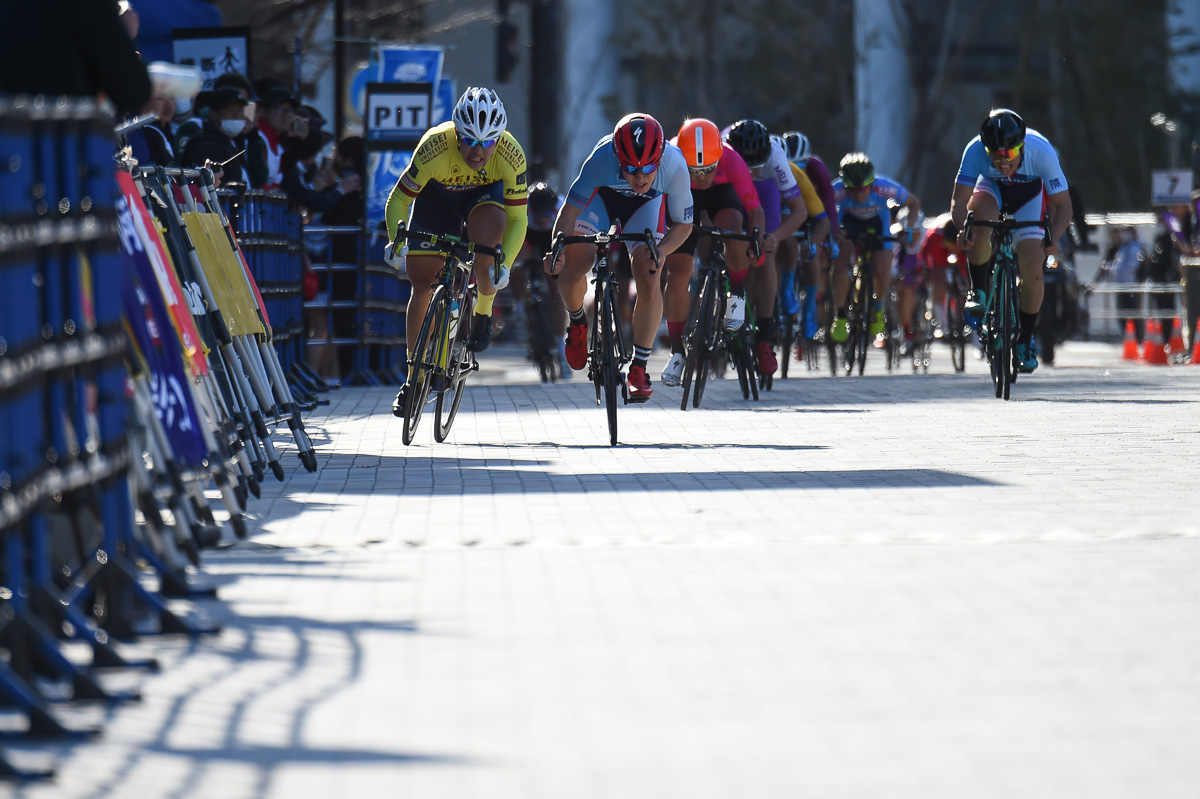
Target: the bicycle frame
(435, 353)
(608, 351)
(1002, 311)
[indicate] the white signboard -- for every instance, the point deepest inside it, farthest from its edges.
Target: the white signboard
(398, 112)
(214, 51)
(1170, 187)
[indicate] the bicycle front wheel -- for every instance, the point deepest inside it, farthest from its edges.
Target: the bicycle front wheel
(459, 366)
(425, 361)
(606, 316)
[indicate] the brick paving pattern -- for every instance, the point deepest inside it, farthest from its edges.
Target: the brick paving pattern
(885, 586)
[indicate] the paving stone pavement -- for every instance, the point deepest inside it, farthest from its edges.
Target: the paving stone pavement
(893, 586)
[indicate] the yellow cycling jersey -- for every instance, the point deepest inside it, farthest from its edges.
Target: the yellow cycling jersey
(437, 163)
(812, 200)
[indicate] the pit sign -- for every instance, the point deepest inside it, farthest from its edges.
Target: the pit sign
(398, 112)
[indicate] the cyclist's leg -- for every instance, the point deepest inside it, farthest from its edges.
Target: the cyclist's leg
(422, 274)
(677, 301)
(985, 205)
(1031, 256)
(786, 259)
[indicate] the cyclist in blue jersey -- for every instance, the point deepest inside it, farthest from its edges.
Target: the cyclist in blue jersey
(636, 178)
(1011, 168)
(862, 201)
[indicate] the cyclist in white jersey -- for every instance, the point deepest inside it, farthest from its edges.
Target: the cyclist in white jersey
(1013, 169)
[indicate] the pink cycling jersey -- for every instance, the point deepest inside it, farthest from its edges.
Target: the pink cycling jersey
(732, 169)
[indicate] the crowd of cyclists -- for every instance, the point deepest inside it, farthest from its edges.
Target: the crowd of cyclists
(807, 227)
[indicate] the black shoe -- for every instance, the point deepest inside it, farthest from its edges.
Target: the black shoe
(398, 402)
(481, 333)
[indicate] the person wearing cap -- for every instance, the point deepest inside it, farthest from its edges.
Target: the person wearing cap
(221, 142)
(277, 121)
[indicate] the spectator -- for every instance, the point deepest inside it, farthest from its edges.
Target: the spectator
(1183, 223)
(1162, 266)
(218, 145)
(349, 160)
(71, 47)
(277, 121)
(1128, 256)
(313, 190)
(153, 143)
(187, 118)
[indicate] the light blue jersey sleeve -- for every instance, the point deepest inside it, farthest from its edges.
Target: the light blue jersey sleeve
(596, 171)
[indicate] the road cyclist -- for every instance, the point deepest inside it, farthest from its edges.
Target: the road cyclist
(636, 179)
(1012, 170)
(776, 186)
(537, 303)
(723, 196)
(467, 173)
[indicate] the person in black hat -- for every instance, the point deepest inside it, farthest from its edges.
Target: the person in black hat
(221, 144)
(277, 121)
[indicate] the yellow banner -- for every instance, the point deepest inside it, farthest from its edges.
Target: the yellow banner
(224, 273)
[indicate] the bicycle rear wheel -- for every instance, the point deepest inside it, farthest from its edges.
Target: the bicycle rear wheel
(696, 342)
(425, 362)
(787, 338)
(956, 329)
(543, 351)
(459, 366)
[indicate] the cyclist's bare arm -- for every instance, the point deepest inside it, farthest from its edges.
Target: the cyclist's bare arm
(565, 223)
(1060, 218)
(675, 236)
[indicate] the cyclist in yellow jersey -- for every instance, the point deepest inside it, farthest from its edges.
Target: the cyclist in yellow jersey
(468, 171)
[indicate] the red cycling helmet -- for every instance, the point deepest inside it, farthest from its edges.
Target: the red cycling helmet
(638, 140)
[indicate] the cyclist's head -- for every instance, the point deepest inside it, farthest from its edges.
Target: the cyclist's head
(796, 145)
(543, 206)
(750, 140)
(856, 171)
(639, 143)
(1003, 134)
(700, 142)
(479, 117)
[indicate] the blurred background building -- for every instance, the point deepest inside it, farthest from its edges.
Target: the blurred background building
(906, 80)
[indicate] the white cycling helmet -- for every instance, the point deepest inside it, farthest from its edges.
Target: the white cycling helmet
(796, 145)
(479, 114)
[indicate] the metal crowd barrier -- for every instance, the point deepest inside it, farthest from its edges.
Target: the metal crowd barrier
(1146, 309)
(364, 306)
(65, 455)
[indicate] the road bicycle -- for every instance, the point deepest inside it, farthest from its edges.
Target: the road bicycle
(608, 352)
(706, 341)
(542, 341)
(957, 333)
(440, 360)
(1002, 319)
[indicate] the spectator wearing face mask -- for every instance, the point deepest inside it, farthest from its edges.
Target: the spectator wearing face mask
(220, 144)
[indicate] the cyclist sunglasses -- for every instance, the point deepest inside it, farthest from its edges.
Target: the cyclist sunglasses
(701, 171)
(648, 169)
(484, 143)
(1009, 154)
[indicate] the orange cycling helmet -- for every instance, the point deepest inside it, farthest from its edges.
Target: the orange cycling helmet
(700, 142)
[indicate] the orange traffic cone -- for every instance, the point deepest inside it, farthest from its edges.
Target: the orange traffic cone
(1196, 345)
(1129, 349)
(1152, 351)
(1175, 345)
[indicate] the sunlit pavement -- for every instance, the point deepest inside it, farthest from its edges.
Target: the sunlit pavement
(888, 586)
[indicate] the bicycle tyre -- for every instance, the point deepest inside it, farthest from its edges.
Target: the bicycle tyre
(607, 317)
(458, 367)
(424, 364)
(788, 338)
(957, 334)
(542, 349)
(695, 338)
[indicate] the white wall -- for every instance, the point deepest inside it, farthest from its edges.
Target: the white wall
(589, 75)
(883, 91)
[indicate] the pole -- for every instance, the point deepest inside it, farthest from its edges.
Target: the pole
(339, 68)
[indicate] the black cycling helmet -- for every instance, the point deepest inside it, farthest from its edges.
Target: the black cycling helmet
(856, 170)
(750, 140)
(1002, 130)
(542, 199)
